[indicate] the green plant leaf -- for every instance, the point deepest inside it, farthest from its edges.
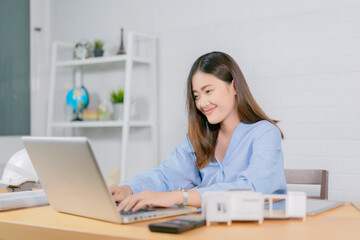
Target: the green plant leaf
(98, 44)
(117, 96)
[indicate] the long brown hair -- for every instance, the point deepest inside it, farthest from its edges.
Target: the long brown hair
(202, 134)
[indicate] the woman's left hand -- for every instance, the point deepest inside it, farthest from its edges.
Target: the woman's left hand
(152, 199)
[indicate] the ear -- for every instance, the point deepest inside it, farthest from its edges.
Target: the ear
(233, 87)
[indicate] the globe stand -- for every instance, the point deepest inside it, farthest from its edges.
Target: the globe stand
(77, 116)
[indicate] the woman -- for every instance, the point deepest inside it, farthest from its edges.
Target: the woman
(231, 144)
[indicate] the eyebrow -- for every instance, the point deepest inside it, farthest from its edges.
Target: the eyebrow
(203, 87)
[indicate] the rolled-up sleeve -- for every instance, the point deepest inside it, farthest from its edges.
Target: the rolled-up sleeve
(265, 172)
(177, 171)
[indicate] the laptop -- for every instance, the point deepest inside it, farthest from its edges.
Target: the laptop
(316, 206)
(73, 183)
(313, 206)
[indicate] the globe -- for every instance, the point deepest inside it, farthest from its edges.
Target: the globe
(78, 99)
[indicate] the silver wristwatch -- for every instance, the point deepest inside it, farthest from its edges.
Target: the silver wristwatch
(185, 195)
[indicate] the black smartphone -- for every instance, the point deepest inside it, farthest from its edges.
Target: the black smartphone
(177, 225)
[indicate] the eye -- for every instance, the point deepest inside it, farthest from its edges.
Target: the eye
(196, 97)
(208, 91)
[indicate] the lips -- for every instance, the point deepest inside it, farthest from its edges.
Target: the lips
(209, 111)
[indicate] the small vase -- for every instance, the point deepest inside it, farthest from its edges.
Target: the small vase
(98, 52)
(118, 111)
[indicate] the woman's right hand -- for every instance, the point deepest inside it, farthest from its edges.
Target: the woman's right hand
(120, 192)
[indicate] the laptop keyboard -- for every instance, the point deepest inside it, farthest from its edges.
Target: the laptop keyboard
(123, 213)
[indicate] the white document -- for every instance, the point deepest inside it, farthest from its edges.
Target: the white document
(14, 200)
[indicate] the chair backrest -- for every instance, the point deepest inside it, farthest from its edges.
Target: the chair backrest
(309, 176)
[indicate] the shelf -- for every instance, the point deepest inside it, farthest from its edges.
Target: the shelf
(101, 124)
(98, 60)
(124, 64)
(140, 124)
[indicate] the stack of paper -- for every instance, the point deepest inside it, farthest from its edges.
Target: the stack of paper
(14, 200)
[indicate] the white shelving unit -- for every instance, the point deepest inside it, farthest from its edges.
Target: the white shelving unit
(129, 59)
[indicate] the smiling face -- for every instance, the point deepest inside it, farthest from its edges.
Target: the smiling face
(215, 98)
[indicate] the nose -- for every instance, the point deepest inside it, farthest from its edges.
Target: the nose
(204, 102)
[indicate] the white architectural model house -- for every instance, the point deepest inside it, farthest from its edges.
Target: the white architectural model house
(228, 206)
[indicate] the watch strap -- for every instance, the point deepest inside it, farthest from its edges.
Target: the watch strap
(185, 196)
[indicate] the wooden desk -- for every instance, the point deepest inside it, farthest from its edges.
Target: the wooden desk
(45, 223)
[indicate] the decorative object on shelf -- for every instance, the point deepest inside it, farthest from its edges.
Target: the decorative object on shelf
(78, 99)
(83, 50)
(98, 48)
(117, 98)
(104, 112)
(90, 114)
(121, 49)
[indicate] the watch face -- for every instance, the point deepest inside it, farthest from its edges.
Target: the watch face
(80, 51)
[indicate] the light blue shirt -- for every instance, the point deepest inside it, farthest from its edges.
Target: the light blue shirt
(253, 160)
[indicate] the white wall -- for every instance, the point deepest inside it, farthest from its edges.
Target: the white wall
(300, 58)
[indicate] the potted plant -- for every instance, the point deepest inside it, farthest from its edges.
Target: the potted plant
(98, 48)
(117, 98)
